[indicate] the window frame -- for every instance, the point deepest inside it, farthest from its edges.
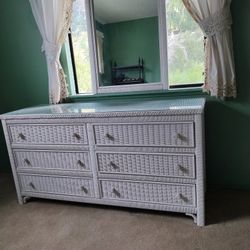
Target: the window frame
(163, 46)
(72, 57)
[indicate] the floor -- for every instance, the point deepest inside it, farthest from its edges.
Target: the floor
(52, 225)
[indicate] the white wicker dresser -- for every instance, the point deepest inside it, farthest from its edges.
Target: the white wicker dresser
(137, 153)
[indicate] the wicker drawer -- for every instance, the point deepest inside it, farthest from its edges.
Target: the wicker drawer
(154, 134)
(147, 164)
(174, 194)
(48, 134)
(78, 161)
(57, 185)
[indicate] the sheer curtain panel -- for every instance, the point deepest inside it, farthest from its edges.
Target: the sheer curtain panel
(214, 18)
(53, 19)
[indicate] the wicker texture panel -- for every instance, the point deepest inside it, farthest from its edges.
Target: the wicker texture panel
(57, 185)
(149, 164)
(48, 134)
(171, 134)
(180, 195)
(53, 160)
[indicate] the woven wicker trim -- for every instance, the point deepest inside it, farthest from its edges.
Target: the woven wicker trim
(146, 178)
(96, 120)
(104, 114)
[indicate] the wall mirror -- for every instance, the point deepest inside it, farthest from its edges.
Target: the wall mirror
(130, 50)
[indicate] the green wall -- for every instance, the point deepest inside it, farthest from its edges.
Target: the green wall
(228, 123)
(22, 65)
(124, 42)
(24, 83)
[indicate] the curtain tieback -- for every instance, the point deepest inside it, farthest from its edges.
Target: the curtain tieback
(217, 23)
(51, 50)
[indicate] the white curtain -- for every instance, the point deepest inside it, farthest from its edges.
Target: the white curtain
(53, 18)
(214, 18)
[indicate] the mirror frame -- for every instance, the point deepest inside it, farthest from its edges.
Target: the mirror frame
(162, 24)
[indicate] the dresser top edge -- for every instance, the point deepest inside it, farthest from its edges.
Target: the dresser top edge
(111, 109)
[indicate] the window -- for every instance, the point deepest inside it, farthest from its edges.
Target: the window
(177, 38)
(185, 47)
(79, 44)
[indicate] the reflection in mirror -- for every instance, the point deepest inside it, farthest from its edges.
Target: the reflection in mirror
(127, 41)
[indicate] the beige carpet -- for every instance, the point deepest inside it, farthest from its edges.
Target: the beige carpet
(43, 224)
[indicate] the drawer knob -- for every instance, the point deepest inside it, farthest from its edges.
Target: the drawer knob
(27, 162)
(113, 165)
(84, 189)
(116, 192)
(22, 136)
(183, 169)
(32, 185)
(181, 137)
(81, 164)
(77, 136)
(110, 137)
(181, 197)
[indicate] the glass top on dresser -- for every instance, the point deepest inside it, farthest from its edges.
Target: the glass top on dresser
(194, 105)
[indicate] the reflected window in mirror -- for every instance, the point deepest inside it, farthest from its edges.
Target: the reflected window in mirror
(135, 45)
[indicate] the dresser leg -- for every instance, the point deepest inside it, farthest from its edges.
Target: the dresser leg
(20, 200)
(25, 199)
(200, 220)
(193, 216)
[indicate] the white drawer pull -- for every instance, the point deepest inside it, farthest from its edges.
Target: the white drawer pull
(116, 192)
(84, 189)
(181, 197)
(32, 185)
(27, 162)
(182, 137)
(77, 136)
(110, 137)
(81, 164)
(22, 136)
(183, 169)
(113, 165)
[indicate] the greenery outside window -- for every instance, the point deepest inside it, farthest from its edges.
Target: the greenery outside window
(185, 47)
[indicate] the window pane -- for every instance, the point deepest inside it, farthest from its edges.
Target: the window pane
(81, 47)
(185, 46)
